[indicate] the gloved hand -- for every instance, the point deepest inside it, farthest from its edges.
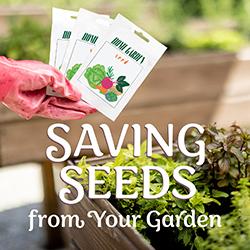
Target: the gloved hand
(23, 89)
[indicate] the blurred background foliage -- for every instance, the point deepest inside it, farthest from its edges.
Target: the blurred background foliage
(27, 39)
(184, 25)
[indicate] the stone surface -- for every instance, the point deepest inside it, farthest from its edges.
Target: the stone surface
(14, 234)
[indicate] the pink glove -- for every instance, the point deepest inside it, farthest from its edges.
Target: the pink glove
(23, 89)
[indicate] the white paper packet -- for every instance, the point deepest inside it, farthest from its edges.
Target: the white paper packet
(89, 29)
(63, 22)
(117, 67)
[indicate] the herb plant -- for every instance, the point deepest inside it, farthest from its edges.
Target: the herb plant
(222, 181)
(167, 204)
(227, 155)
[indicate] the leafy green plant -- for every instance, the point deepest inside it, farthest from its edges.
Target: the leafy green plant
(222, 40)
(221, 25)
(58, 3)
(225, 174)
(167, 204)
(167, 21)
(235, 231)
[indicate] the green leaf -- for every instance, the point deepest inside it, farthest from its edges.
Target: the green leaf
(180, 203)
(123, 84)
(198, 242)
(200, 208)
(234, 233)
(237, 153)
(121, 78)
(71, 72)
(110, 73)
(187, 238)
(219, 194)
(119, 88)
(120, 159)
(234, 172)
(168, 204)
(95, 75)
(111, 97)
(185, 235)
(223, 183)
(196, 199)
(223, 165)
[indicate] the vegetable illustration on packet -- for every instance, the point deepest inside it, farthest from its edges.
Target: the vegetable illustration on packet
(103, 80)
(117, 67)
(87, 32)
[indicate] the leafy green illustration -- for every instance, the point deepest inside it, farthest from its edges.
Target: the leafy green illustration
(71, 72)
(103, 80)
(119, 88)
(121, 78)
(121, 83)
(110, 73)
(95, 75)
(111, 97)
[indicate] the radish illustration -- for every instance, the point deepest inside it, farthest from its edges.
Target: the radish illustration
(107, 83)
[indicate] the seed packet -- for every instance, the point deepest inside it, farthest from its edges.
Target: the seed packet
(117, 67)
(88, 31)
(63, 22)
